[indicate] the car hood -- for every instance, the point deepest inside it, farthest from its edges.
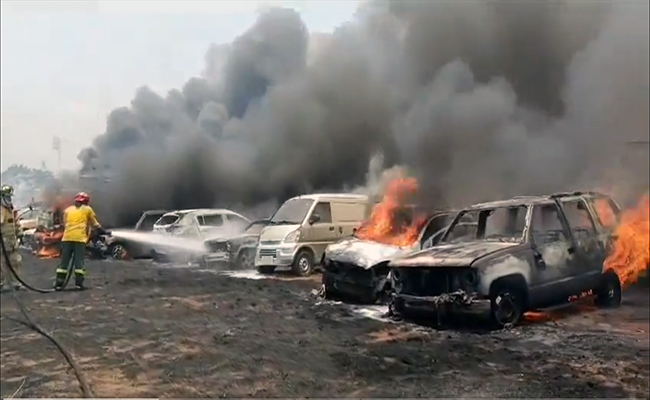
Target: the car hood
(273, 233)
(450, 255)
(362, 253)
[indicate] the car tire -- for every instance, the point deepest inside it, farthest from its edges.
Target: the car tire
(506, 306)
(266, 269)
(609, 294)
(246, 260)
(118, 251)
(303, 264)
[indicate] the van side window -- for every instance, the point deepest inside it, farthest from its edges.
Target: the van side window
(211, 220)
(324, 210)
(546, 225)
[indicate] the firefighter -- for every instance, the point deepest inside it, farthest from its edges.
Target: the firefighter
(10, 233)
(77, 220)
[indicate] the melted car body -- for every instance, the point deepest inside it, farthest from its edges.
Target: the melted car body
(526, 253)
(358, 269)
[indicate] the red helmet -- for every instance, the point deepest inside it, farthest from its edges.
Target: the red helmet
(82, 197)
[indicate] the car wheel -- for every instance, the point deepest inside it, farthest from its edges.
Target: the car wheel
(246, 260)
(507, 307)
(303, 265)
(609, 294)
(266, 269)
(118, 252)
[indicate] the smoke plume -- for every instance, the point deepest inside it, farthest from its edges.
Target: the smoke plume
(480, 99)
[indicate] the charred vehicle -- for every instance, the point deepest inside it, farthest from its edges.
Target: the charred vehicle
(191, 229)
(527, 253)
(358, 269)
(237, 251)
(121, 248)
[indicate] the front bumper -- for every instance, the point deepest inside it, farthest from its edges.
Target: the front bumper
(344, 286)
(281, 255)
(455, 302)
(218, 258)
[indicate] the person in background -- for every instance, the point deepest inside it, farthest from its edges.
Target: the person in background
(78, 219)
(10, 229)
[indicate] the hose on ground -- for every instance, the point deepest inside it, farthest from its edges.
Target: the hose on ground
(29, 322)
(13, 273)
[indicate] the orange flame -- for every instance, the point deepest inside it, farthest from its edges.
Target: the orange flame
(384, 226)
(630, 252)
(49, 243)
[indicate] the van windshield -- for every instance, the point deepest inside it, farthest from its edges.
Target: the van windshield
(292, 211)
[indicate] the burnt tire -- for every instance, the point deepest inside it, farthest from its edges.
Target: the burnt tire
(246, 260)
(507, 306)
(303, 264)
(609, 294)
(266, 269)
(118, 251)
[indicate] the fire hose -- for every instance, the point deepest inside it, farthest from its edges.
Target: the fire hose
(29, 322)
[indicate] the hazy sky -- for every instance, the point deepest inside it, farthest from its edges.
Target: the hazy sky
(66, 65)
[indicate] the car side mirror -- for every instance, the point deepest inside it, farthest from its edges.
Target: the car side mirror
(314, 218)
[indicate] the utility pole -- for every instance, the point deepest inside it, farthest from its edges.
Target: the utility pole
(56, 146)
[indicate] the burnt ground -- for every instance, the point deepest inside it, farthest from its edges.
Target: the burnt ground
(148, 331)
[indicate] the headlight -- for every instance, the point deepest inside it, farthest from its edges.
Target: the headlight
(228, 246)
(292, 237)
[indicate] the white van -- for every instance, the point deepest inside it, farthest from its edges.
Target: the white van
(304, 226)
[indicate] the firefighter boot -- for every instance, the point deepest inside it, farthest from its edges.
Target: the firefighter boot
(60, 280)
(79, 282)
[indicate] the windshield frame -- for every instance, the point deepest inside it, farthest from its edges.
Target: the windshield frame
(178, 218)
(459, 217)
(308, 210)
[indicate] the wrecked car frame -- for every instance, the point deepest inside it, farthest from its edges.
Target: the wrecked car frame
(358, 269)
(527, 253)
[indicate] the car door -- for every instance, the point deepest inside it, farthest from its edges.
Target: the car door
(589, 248)
(322, 232)
(554, 260)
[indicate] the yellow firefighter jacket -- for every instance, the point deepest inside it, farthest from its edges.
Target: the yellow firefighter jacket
(76, 221)
(9, 225)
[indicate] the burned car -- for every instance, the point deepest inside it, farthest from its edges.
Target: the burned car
(527, 253)
(357, 269)
(237, 251)
(121, 248)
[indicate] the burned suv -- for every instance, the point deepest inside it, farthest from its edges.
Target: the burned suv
(527, 253)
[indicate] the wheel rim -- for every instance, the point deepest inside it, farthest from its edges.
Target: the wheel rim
(118, 252)
(506, 308)
(246, 261)
(303, 263)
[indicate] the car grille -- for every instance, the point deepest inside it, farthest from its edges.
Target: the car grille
(428, 281)
(267, 253)
(216, 247)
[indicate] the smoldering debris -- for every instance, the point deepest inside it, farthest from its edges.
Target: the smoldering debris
(480, 99)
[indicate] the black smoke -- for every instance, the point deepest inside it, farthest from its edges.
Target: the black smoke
(481, 99)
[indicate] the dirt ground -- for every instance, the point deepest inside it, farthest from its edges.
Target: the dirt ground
(144, 330)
